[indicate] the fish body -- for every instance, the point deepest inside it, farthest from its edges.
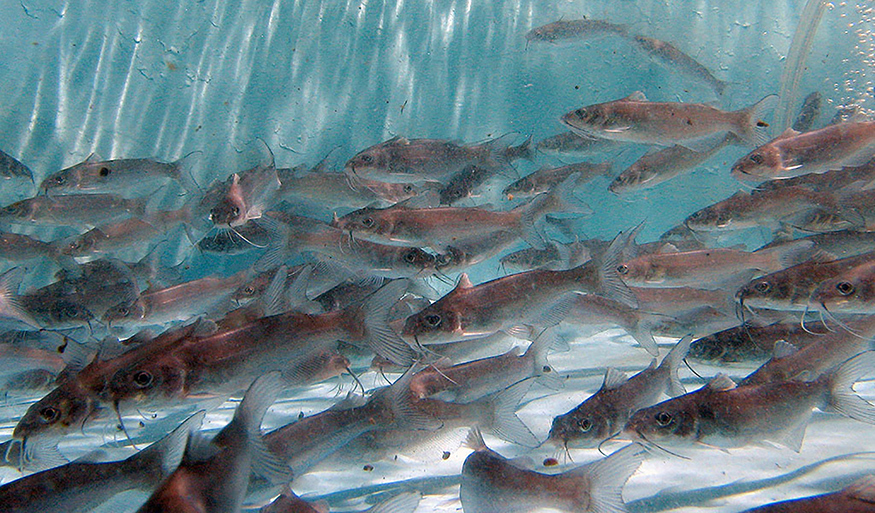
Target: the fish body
(657, 167)
(635, 119)
(544, 179)
(571, 144)
(679, 60)
(402, 160)
(443, 226)
(462, 184)
(722, 414)
(177, 302)
(794, 154)
(120, 176)
(539, 297)
(749, 342)
(706, 268)
(808, 112)
(16, 247)
(109, 238)
(768, 209)
(72, 210)
(12, 168)
(337, 190)
(574, 30)
(604, 414)
(492, 484)
(859, 497)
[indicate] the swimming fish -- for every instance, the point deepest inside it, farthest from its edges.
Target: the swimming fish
(793, 153)
(129, 177)
(850, 292)
(243, 196)
(635, 119)
(751, 342)
(808, 112)
(678, 60)
(722, 414)
(544, 179)
(402, 160)
(571, 144)
(604, 413)
(493, 484)
(574, 30)
(76, 210)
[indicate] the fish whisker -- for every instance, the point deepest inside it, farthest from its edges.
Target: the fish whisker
(118, 414)
(691, 369)
(356, 379)
(259, 246)
(840, 323)
(660, 447)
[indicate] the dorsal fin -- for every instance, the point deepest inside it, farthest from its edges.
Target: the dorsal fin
(720, 382)
(464, 282)
(637, 96)
(668, 247)
(613, 378)
(786, 134)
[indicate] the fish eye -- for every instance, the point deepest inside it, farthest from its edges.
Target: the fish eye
(249, 290)
(845, 288)
(757, 158)
(124, 311)
(368, 222)
(762, 287)
(104, 171)
(410, 256)
(433, 320)
(367, 159)
(49, 414)
(142, 379)
(235, 211)
(60, 179)
(75, 244)
(663, 418)
(584, 425)
(623, 269)
(408, 188)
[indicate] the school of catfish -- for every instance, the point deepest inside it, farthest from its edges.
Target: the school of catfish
(335, 273)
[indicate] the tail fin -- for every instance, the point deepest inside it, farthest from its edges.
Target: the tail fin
(278, 236)
(184, 176)
(538, 349)
(505, 424)
(379, 336)
(261, 394)
(166, 454)
(842, 397)
(672, 362)
(751, 125)
(10, 308)
(523, 151)
(601, 483)
(613, 286)
(560, 199)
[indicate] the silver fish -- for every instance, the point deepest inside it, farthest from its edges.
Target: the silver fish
(121, 176)
(678, 60)
(574, 30)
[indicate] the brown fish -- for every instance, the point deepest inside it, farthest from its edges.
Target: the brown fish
(493, 484)
(859, 497)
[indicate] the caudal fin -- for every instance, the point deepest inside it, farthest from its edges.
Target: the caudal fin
(842, 397)
(379, 336)
(505, 423)
(166, 454)
(600, 487)
(753, 130)
(672, 362)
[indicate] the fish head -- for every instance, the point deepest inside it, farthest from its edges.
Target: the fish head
(227, 212)
(146, 380)
(843, 294)
(17, 212)
(635, 176)
(124, 312)
(587, 121)
(365, 220)
(710, 219)
(771, 290)
(60, 182)
(761, 163)
(64, 312)
(371, 161)
(523, 186)
(80, 245)
(62, 410)
(252, 290)
(639, 271)
(672, 420)
(417, 259)
(434, 325)
(580, 428)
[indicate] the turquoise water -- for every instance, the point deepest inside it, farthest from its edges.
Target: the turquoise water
(150, 79)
